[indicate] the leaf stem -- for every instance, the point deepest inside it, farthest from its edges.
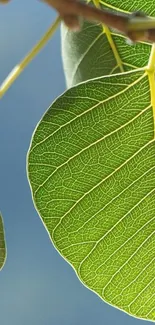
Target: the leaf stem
(114, 49)
(17, 70)
(151, 76)
(151, 63)
(110, 40)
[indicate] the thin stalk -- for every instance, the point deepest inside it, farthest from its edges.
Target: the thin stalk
(17, 70)
(110, 40)
(151, 76)
(151, 63)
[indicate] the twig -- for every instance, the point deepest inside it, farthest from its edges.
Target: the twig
(136, 26)
(69, 9)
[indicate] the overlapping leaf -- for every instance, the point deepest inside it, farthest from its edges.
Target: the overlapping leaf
(89, 54)
(2, 244)
(91, 167)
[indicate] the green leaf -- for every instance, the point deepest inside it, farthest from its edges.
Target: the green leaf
(96, 51)
(91, 167)
(2, 244)
(127, 6)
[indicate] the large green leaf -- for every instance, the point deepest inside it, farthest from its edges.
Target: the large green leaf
(95, 51)
(91, 167)
(2, 243)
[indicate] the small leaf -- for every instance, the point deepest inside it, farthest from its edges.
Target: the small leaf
(2, 244)
(91, 167)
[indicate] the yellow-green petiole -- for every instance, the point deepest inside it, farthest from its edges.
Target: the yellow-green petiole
(30, 56)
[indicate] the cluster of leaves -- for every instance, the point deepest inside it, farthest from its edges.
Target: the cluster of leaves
(91, 164)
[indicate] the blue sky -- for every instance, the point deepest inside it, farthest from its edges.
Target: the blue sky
(36, 285)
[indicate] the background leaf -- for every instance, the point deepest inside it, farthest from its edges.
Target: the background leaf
(91, 167)
(88, 54)
(2, 244)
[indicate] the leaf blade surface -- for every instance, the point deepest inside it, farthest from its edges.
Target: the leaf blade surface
(92, 174)
(2, 244)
